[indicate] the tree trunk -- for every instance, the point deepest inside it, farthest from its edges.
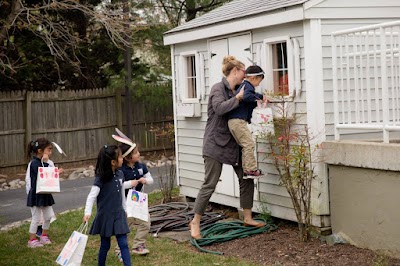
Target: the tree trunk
(15, 7)
(191, 10)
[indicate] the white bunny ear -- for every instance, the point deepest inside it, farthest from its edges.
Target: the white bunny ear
(127, 142)
(59, 148)
(123, 140)
(119, 132)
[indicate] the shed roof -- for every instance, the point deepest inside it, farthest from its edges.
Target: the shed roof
(236, 9)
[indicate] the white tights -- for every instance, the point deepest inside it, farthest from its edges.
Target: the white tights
(41, 216)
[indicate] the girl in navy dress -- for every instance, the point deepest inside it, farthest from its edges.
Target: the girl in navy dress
(41, 150)
(109, 190)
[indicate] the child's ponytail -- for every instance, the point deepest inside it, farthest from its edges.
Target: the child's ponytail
(103, 164)
(33, 146)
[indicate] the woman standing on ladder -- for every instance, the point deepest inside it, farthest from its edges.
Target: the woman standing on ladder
(219, 146)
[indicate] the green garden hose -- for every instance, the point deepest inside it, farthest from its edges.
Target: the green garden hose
(225, 231)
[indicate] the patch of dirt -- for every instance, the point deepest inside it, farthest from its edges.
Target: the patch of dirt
(283, 247)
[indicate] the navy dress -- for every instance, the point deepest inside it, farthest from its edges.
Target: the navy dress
(110, 217)
(39, 200)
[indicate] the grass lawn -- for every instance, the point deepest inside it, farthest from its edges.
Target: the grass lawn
(14, 250)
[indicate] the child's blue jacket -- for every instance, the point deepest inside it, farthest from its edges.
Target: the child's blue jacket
(249, 102)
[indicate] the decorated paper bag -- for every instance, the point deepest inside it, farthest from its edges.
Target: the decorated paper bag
(48, 180)
(262, 121)
(137, 205)
(72, 253)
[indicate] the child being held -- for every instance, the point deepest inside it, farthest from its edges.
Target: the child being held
(241, 116)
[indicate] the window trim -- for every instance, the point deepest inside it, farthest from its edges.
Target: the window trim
(183, 79)
(267, 65)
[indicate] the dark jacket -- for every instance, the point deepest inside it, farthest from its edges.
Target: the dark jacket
(245, 109)
(134, 173)
(218, 143)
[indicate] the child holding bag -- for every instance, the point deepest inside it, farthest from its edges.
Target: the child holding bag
(109, 190)
(136, 171)
(39, 230)
(41, 204)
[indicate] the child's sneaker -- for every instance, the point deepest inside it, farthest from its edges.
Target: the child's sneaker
(45, 240)
(141, 250)
(34, 243)
(252, 174)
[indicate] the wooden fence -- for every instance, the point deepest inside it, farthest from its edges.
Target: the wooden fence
(79, 121)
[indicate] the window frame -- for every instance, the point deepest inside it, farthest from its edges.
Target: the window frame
(183, 77)
(268, 63)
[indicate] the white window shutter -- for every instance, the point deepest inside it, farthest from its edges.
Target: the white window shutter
(290, 66)
(296, 68)
(201, 92)
(181, 67)
(259, 54)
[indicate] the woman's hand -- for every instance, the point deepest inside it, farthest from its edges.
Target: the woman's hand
(142, 180)
(239, 96)
(86, 218)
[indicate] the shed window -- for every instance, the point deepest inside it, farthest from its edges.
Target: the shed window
(282, 72)
(189, 77)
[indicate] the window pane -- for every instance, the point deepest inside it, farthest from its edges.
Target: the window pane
(191, 76)
(280, 68)
(281, 82)
(192, 88)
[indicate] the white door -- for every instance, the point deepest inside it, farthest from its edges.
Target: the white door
(240, 47)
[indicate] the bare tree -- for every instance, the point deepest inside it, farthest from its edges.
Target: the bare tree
(178, 11)
(46, 21)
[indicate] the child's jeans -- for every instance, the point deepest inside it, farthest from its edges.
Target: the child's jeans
(123, 246)
(142, 231)
(243, 137)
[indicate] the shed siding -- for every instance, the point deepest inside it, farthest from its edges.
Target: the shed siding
(270, 189)
(190, 130)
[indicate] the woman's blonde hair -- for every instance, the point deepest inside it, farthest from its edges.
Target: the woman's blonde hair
(229, 63)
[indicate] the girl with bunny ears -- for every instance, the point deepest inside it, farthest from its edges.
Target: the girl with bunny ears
(138, 172)
(40, 151)
(109, 191)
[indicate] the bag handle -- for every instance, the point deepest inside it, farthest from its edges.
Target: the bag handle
(83, 228)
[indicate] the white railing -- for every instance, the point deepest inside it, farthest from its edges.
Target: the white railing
(366, 79)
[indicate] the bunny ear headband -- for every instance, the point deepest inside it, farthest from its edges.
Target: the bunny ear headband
(124, 139)
(59, 148)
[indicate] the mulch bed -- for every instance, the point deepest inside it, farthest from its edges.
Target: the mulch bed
(283, 247)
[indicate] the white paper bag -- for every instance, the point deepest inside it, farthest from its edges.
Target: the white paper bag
(72, 253)
(262, 121)
(48, 180)
(137, 205)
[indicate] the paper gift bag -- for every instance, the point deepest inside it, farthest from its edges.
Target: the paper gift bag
(137, 205)
(262, 121)
(72, 253)
(48, 180)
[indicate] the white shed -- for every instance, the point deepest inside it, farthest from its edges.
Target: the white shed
(291, 40)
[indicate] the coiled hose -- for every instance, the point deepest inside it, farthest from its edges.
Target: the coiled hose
(175, 216)
(225, 231)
